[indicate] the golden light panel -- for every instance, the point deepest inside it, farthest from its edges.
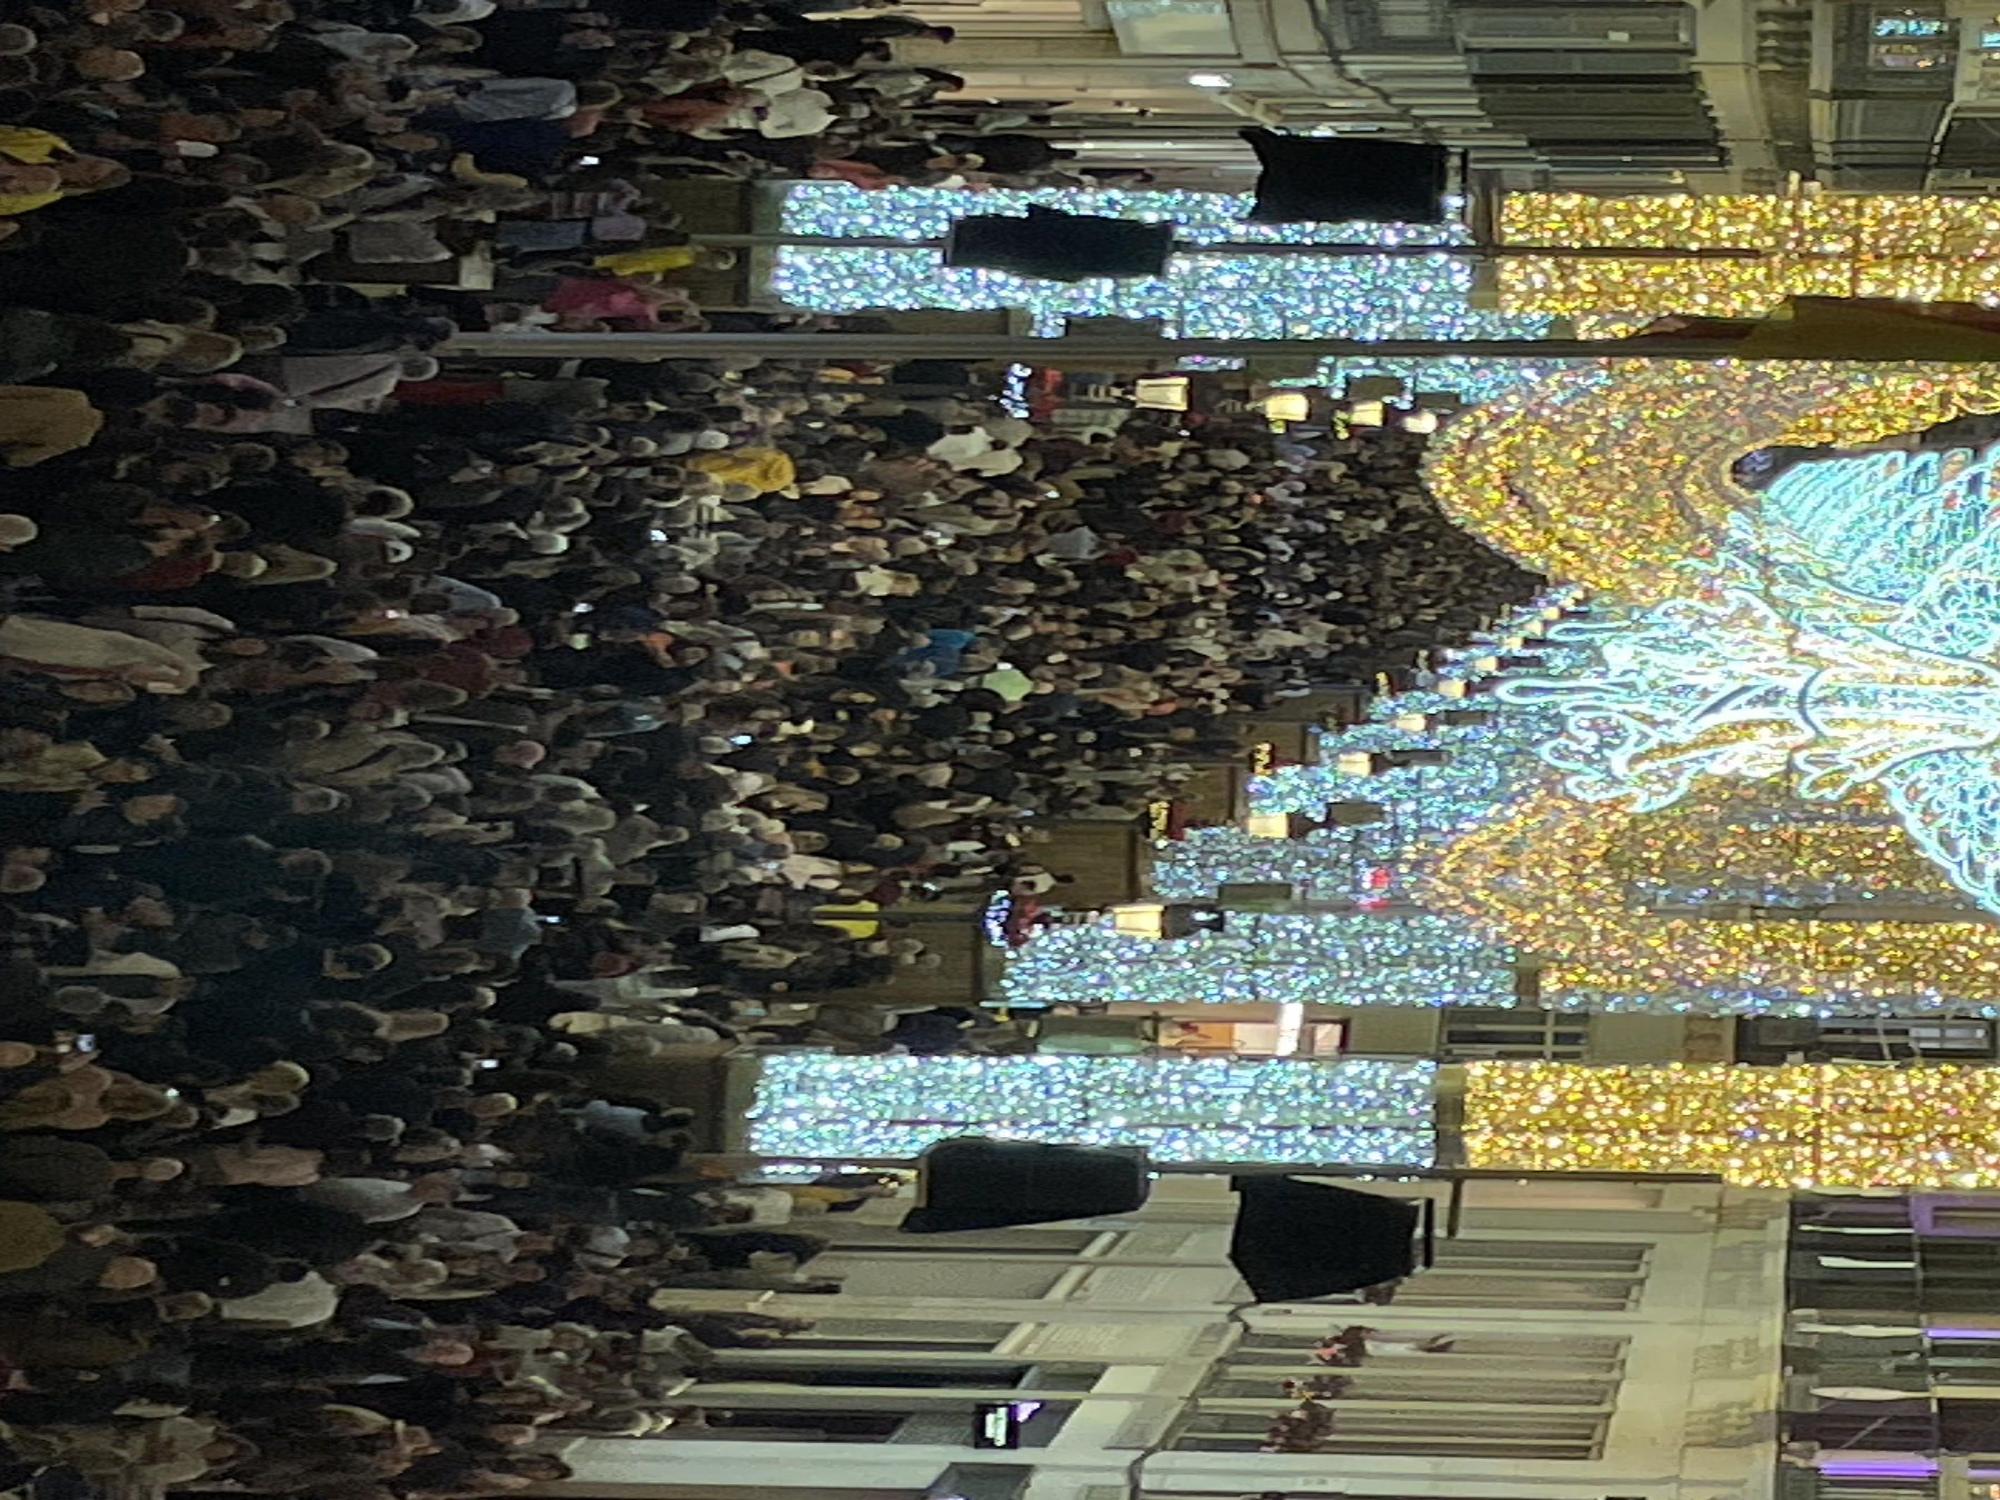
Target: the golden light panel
(1926, 249)
(1553, 877)
(1827, 1125)
(1616, 473)
(1758, 834)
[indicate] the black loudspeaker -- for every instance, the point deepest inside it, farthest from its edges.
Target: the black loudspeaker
(1049, 245)
(1323, 179)
(975, 1183)
(1298, 1240)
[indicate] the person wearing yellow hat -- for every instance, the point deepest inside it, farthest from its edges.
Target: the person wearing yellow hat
(38, 168)
(765, 470)
(656, 261)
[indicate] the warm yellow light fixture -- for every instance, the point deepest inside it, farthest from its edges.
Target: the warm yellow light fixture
(1564, 882)
(1928, 249)
(1827, 1126)
(1615, 475)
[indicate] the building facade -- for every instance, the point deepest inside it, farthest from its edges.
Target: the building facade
(1892, 1349)
(1602, 96)
(1574, 1340)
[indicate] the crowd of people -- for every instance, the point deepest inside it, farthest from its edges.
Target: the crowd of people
(400, 753)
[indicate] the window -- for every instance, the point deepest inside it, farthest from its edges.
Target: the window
(1583, 1353)
(796, 1425)
(890, 1372)
(1957, 1218)
(1531, 1371)
(1903, 26)
(1892, 1038)
(1909, 57)
(1435, 1432)
(1193, 28)
(1561, 1195)
(1488, 1395)
(1850, 1260)
(942, 1276)
(1872, 1429)
(1541, 1255)
(1288, 1035)
(874, 1239)
(1421, 1379)
(1473, 1034)
(1777, 1039)
(1575, 26)
(1959, 1275)
(1903, 41)
(939, 1370)
(948, 1423)
(1837, 1214)
(904, 1334)
(1961, 1361)
(1547, 1276)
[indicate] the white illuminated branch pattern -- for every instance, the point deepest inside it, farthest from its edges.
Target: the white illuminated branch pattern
(1845, 635)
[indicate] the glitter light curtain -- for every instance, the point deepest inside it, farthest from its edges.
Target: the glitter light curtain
(1908, 247)
(1835, 245)
(1201, 296)
(1828, 1125)
(891, 1107)
(1821, 1126)
(1316, 959)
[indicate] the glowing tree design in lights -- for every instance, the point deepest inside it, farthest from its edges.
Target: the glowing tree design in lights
(1726, 686)
(1839, 629)
(1775, 669)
